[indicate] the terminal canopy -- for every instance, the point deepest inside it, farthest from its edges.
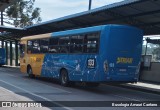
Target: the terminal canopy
(144, 14)
(153, 41)
(5, 3)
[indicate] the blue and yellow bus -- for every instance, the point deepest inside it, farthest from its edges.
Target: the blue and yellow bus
(106, 53)
(2, 56)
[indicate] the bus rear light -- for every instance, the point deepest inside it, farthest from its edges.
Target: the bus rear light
(105, 66)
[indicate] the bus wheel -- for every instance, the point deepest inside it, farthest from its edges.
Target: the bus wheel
(30, 73)
(64, 80)
(90, 84)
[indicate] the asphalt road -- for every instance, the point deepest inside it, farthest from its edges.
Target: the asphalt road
(43, 89)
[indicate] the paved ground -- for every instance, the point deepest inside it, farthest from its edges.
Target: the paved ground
(15, 86)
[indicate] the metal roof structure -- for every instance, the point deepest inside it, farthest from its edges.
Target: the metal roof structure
(144, 14)
(153, 41)
(5, 3)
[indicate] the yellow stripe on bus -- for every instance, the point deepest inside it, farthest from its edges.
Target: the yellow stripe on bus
(36, 62)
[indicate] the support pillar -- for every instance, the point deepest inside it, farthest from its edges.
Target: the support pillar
(6, 52)
(2, 43)
(16, 53)
(1, 18)
(146, 49)
(90, 3)
(11, 55)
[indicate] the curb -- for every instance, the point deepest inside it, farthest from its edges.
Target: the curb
(143, 89)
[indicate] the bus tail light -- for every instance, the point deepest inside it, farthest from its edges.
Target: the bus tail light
(105, 66)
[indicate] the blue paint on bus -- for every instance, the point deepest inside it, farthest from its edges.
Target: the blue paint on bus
(117, 59)
(2, 56)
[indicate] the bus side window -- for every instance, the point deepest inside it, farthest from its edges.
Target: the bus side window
(64, 43)
(44, 45)
(53, 49)
(22, 50)
(91, 42)
(29, 47)
(53, 45)
(36, 46)
(76, 44)
(85, 44)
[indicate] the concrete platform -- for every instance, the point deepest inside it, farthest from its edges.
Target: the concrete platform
(144, 87)
(7, 95)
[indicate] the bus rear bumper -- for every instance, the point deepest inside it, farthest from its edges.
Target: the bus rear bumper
(2, 63)
(121, 79)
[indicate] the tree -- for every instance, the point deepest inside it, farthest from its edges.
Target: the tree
(22, 13)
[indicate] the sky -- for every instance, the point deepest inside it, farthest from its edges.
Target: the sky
(52, 9)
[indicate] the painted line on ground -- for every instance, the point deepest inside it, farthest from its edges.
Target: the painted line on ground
(44, 98)
(40, 83)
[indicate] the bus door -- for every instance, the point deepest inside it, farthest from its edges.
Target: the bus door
(22, 58)
(34, 56)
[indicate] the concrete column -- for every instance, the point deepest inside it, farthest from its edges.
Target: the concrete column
(2, 43)
(146, 49)
(6, 52)
(1, 18)
(11, 55)
(16, 53)
(90, 4)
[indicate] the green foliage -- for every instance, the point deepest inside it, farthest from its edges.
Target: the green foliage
(22, 13)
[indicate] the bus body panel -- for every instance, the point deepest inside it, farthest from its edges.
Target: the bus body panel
(123, 53)
(78, 31)
(119, 50)
(76, 66)
(36, 62)
(103, 55)
(2, 56)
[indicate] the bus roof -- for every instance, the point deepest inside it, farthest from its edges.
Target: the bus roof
(88, 29)
(76, 31)
(40, 36)
(61, 33)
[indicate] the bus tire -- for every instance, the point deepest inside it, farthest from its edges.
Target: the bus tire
(30, 73)
(64, 80)
(91, 84)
